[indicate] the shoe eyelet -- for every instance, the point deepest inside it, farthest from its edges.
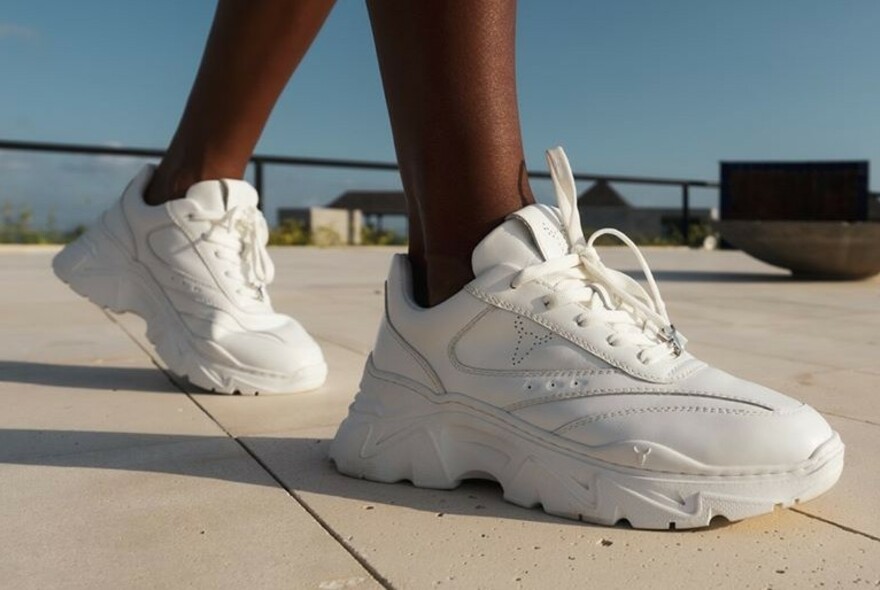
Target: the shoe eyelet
(512, 286)
(546, 303)
(610, 343)
(216, 253)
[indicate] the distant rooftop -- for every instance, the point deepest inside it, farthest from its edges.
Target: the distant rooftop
(602, 194)
(372, 202)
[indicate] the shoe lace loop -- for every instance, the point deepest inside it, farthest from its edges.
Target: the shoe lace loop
(243, 234)
(639, 316)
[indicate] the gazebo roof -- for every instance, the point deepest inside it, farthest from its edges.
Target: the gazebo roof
(371, 202)
(601, 194)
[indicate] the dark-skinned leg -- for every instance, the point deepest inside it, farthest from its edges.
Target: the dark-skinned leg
(251, 53)
(449, 77)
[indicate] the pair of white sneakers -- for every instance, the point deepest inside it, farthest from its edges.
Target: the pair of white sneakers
(550, 373)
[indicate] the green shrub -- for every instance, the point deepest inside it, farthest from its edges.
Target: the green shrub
(326, 236)
(16, 228)
(698, 231)
(289, 233)
(370, 236)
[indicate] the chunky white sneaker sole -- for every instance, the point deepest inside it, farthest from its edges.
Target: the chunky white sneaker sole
(98, 268)
(396, 433)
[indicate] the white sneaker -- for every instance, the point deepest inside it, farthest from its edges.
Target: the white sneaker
(196, 269)
(565, 381)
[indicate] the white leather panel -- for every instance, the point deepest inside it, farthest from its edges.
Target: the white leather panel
(394, 355)
(546, 230)
(503, 341)
(559, 414)
(727, 438)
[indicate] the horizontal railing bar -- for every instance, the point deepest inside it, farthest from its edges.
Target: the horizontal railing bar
(325, 162)
(77, 148)
(634, 179)
(84, 149)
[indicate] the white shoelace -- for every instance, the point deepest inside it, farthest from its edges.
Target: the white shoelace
(637, 317)
(242, 234)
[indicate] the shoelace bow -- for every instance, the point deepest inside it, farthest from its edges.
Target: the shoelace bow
(242, 233)
(638, 316)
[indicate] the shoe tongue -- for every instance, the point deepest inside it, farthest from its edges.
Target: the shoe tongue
(529, 236)
(222, 195)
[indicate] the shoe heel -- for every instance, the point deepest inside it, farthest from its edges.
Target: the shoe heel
(95, 267)
(392, 434)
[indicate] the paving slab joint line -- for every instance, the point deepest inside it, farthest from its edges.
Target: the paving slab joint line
(322, 338)
(378, 577)
(842, 527)
(845, 417)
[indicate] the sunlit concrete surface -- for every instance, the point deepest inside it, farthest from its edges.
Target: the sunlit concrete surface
(113, 475)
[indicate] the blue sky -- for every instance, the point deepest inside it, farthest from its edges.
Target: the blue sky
(654, 88)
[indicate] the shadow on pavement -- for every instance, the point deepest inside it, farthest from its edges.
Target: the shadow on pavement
(86, 376)
(714, 276)
(301, 463)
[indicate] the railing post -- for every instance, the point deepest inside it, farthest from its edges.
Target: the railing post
(685, 213)
(258, 181)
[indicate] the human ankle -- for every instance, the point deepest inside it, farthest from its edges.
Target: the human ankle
(171, 181)
(444, 277)
(164, 187)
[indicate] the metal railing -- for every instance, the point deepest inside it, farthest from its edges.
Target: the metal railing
(260, 161)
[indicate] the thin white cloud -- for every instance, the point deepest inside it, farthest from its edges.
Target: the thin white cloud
(18, 32)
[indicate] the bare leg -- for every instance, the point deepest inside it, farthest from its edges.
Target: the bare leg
(252, 51)
(449, 77)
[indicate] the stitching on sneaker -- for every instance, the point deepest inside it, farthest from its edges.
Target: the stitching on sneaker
(407, 347)
(494, 300)
(461, 366)
(609, 391)
(658, 410)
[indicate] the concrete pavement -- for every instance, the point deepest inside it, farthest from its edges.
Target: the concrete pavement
(113, 474)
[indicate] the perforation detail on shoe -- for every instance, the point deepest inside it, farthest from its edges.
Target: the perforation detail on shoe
(555, 231)
(527, 341)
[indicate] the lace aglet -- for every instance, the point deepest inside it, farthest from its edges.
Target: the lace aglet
(671, 335)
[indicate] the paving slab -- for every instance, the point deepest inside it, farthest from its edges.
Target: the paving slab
(336, 300)
(326, 406)
(852, 503)
(187, 513)
(66, 368)
(112, 477)
(838, 392)
(777, 342)
(114, 469)
(471, 538)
